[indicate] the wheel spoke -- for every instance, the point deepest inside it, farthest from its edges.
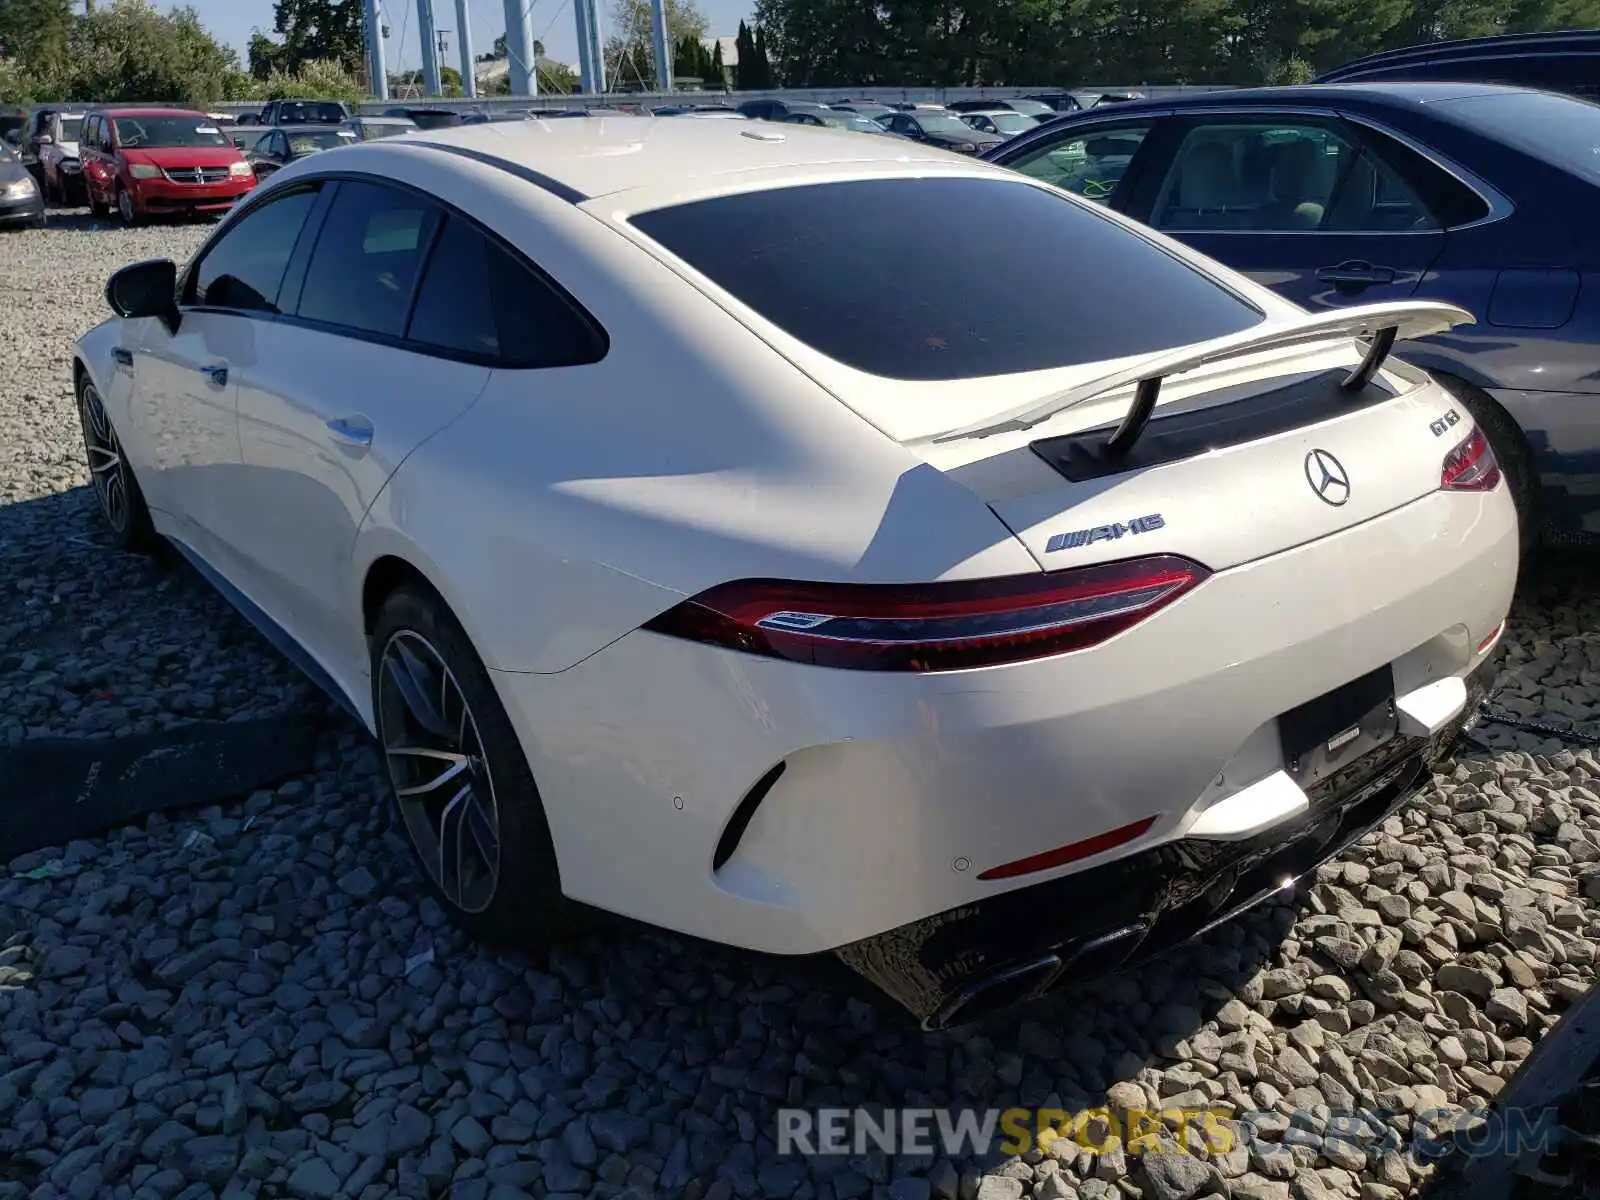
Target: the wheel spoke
(410, 676)
(452, 828)
(461, 766)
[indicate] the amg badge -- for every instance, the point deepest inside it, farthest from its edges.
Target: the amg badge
(1103, 533)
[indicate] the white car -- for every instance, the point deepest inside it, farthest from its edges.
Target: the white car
(60, 169)
(705, 541)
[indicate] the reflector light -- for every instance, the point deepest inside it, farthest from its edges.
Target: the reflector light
(1088, 848)
(1490, 637)
(1471, 466)
(936, 626)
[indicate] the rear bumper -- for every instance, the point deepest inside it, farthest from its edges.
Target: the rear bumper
(958, 965)
(1563, 431)
(898, 791)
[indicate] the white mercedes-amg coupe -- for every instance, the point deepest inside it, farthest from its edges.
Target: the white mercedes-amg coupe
(712, 530)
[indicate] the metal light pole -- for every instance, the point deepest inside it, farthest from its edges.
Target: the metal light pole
(469, 75)
(658, 32)
(585, 65)
(426, 38)
(597, 53)
(519, 46)
(377, 66)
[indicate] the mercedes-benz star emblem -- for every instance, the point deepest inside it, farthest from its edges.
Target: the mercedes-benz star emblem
(1327, 477)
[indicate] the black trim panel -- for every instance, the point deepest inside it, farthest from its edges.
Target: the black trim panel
(282, 640)
(1172, 438)
(554, 186)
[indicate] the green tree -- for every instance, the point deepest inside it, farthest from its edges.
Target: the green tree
(130, 51)
(320, 31)
(266, 56)
(631, 45)
(34, 35)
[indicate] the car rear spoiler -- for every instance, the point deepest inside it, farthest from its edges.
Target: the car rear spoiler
(1383, 323)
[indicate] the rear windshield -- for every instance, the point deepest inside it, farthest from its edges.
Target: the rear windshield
(312, 112)
(1562, 130)
(953, 278)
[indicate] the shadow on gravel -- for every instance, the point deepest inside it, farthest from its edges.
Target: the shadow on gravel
(654, 1061)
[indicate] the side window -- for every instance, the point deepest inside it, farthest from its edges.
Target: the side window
(1088, 165)
(244, 268)
(1447, 200)
(476, 298)
(1277, 177)
(263, 145)
(367, 258)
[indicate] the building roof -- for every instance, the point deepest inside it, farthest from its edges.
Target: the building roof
(598, 156)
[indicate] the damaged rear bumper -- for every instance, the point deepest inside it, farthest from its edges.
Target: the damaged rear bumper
(961, 964)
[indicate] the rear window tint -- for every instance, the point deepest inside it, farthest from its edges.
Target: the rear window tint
(937, 279)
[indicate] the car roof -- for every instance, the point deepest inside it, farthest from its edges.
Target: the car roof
(146, 110)
(598, 156)
(1466, 50)
(1392, 95)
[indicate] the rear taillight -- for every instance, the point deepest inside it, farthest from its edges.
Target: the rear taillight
(936, 626)
(1471, 466)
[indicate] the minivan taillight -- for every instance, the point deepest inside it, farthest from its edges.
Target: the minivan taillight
(934, 626)
(1471, 466)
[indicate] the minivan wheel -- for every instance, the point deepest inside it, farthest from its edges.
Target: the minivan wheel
(121, 502)
(125, 209)
(463, 794)
(1510, 450)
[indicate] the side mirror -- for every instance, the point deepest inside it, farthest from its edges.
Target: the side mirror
(146, 289)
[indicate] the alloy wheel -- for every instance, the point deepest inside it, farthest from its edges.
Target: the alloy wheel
(125, 206)
(439, 771)
(107, 469)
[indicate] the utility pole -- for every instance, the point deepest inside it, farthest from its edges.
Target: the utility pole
(430, 51)
(658, 33)
(597, 54)
(523, 64)
(469, 73)
(377, 66)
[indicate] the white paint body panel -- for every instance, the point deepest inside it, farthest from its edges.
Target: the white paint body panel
(558, 511)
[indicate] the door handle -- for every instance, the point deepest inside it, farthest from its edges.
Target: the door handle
(1356, 273)
(216, 375)
(352, 431)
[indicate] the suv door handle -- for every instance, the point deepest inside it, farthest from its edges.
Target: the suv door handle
(352, 431)
(216, 374)
(1356, 273)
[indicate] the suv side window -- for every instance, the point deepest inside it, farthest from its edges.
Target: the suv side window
(368, 257)
(244, 268)
(1089, 164)
(477, 299)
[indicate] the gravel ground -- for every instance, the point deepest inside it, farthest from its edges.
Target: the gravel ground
(259, 999)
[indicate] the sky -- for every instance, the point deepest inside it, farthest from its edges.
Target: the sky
(232, 21)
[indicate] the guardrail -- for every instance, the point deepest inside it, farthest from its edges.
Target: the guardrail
(1086, 95)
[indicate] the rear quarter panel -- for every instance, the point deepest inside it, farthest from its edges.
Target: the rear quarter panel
(569, 506)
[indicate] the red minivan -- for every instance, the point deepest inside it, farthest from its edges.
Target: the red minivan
(143, 162)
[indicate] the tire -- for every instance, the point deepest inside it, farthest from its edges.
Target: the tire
(522, 905)
(1510, 449)
(122, 505)
(125, 209)
(96, 209)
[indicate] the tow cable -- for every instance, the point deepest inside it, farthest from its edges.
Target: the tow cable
(1491, 712)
